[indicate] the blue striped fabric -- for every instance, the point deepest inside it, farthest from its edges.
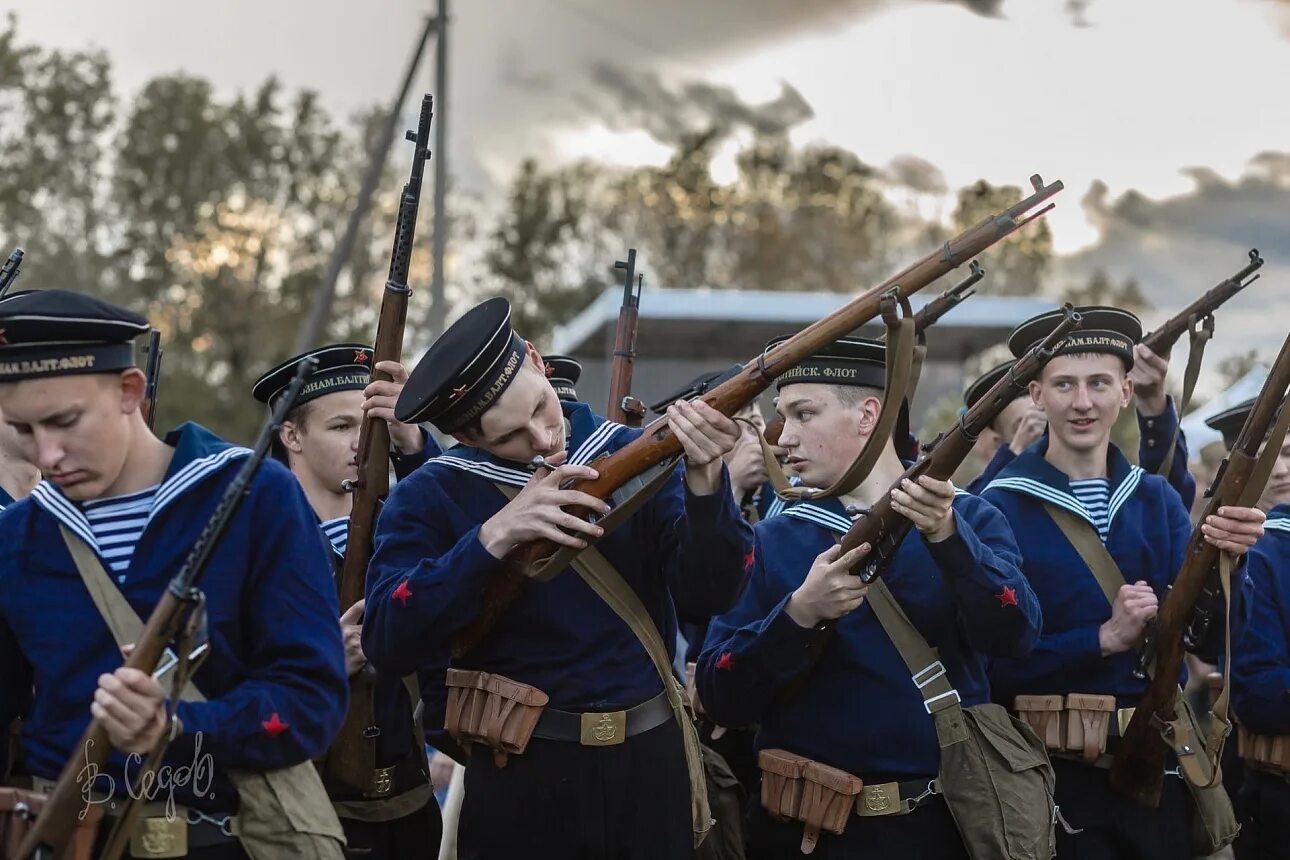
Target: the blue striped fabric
(337, 532)
(117, 524)
(1095, 495)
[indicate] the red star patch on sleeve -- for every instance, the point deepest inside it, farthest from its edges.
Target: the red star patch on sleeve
(749, 558)
(360, 356)
(725, 661)
(402, 593)
(1007, 597)
(274, 726)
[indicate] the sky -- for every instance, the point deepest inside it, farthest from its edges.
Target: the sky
(1166, 119)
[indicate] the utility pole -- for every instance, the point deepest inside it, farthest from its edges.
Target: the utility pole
(438, 306)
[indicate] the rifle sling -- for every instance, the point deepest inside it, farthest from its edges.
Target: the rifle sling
(1198, 336)
(1202, 771)
(609, 585)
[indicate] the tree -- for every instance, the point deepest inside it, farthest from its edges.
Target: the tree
(1019, 264)
(1234, 368)
(1099, 289)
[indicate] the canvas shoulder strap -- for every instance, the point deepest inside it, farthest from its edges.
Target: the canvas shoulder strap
(922, 660)
(609, 585)
(1091, 550)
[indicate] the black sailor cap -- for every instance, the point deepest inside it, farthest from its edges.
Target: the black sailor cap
(46, 333)
(986, 381)
(1230, 421)
(465, 370)
(1105, 330)
(563, 372)
(341, 367)
(848, 361)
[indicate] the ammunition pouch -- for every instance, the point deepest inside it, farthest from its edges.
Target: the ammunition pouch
(493, 710)
(1269, 753)
(1078, 723)
(795, 788)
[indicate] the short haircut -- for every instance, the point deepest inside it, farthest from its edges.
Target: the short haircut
(299, 417)
(851, 395)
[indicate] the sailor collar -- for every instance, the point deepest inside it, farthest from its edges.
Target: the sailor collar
(1278, 519)
(199, 455)
(830, 513)
(589, 435)
(1031, 475)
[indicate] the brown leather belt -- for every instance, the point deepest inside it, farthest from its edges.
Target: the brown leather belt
(603, 728)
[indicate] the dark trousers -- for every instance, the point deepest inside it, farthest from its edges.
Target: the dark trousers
(1113, 827)
(927, 833)
(412, 836)
(563, 800)
(1265, 817)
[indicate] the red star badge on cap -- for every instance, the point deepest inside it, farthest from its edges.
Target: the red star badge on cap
(402, 593)
(457, 393)
(549, 369)
(360, 356)
(725, 661)
(1007, 597)
(4, 339)
(274, 726)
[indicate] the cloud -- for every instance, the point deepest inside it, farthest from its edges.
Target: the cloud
(1179, 246)
(916, 174)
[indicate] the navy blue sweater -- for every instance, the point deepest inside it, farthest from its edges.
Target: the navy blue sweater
(275, 675)
(845, 698)
(429, 571)
(1261, 632)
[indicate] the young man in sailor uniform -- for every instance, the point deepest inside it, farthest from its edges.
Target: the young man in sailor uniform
(564, 373)
(619, 789)
(1023, 423)
(1089, 646)
(1261, 657)
(803, 654)
(273, 680)
(397, 815)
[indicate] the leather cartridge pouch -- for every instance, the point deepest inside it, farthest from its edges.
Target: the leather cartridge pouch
(1088, 721)
(493, 710)
(1044, 714)
(1265, 752)
(18, 810)
(795, 788)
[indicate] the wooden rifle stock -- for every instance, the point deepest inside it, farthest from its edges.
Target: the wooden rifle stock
(623, 408)
(352, 757)
(657, 443)
(1162, 340)
(1139, 766)
(884, 529)
(927, 316)
(56, 823)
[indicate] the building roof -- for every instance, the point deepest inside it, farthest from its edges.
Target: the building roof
(702, 323)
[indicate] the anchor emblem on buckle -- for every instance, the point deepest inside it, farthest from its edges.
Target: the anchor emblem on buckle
(876, 800)
(604, 730)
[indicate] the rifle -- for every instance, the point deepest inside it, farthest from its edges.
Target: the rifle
(1162, 340)
(153, 373)
(167, 623)
(1140, 763)
(657, 444)
(9, 271)
(623, 408)
(884, 529)
(352, 757)
(927, 316)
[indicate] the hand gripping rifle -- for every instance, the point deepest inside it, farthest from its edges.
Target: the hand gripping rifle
(623, 408)
(657, 444)
(153, 373)
(352, 757)
(9, 271)
(1139, 766)
(168, 623)
(884, 529)
(927, 316)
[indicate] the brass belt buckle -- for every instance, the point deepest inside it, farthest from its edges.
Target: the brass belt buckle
(382, 782)
(603, 729)
(160, 837)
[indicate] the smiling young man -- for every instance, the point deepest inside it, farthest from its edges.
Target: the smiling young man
(804, 655)
(1076, 476)
(131, 506)
(604, 773)
(396, 815)
(1261, 661)
(1023, 422)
